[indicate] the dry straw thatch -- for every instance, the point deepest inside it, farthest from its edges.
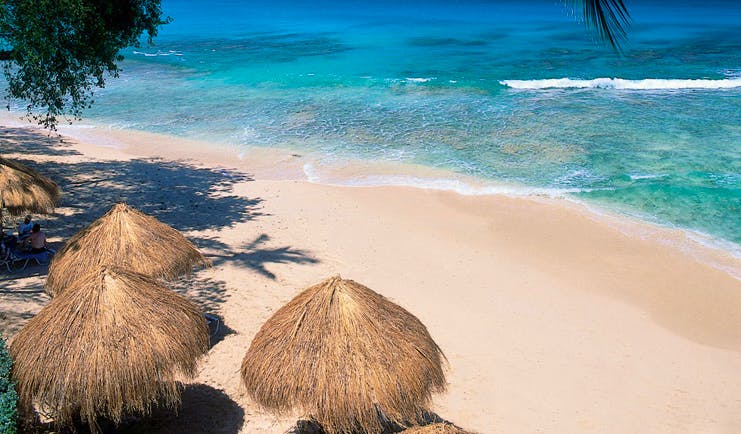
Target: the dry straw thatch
(436, 428)
(111, 345)
(345, 356)
(128, 238)
(23, 189)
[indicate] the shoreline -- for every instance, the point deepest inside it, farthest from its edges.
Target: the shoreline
(285, 164)
(552, 319)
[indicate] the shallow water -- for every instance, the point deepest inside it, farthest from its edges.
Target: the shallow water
(513, 95)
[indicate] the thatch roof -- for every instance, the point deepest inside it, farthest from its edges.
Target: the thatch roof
(436, 428)
(113, 344)
(345, 356)
(25, 190)
(127, 238)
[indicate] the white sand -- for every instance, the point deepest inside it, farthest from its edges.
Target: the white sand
(554, 319)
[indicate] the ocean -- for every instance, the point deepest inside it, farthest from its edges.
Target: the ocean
(517, 95)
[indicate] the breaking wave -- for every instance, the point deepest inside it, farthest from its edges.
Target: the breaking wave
(620, 83)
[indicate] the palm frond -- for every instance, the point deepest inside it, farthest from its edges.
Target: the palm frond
(609, 18)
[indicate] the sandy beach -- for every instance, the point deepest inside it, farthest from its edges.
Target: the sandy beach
(553, 318)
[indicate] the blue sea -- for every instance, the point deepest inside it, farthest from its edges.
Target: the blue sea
(513, 93)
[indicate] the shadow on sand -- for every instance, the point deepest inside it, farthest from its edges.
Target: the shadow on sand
(255, 256)
(178, 193)
(307, 426)
(27, 141)
(204, 410)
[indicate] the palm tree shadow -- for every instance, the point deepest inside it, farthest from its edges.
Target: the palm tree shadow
(253, 256)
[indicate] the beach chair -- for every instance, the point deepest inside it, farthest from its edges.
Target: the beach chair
(213, 322)
(26, 257)
(6, 260)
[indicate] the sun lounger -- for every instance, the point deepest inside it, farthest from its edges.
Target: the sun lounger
(212, 321)
(6, 258)
(26, 257)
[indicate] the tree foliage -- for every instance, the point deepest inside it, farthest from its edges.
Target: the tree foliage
(8, 396)
(58, 51)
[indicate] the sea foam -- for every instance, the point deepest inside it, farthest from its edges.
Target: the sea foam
(419, 79)
(620, 83)
(158, 53)
(315, 176)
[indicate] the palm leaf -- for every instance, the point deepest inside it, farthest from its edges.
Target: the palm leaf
(609, 18)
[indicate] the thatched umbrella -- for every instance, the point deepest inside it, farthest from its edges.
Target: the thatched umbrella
(127, 238)
(23, 190)
(113, 343)
(26, 190)
(346, 357)
(436, 428)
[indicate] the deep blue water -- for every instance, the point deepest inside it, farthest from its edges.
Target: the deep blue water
(455, 85)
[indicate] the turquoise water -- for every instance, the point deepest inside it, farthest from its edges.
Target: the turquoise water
(458, 85)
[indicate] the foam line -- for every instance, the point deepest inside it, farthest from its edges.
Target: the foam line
(458, 186)
(620, 83)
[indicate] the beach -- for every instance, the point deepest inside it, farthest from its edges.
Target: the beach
(553, 317)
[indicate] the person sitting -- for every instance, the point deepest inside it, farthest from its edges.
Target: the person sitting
(37, 240)
(24, 229)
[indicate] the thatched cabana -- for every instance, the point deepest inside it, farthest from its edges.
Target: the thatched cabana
(113, 344)
(128, 238)
(23, 190)
(346, 357)
(436, 428)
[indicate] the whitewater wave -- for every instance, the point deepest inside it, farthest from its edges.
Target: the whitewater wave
(313, 175)
(419, 79)
(640, 176)
(158, 53)
(620, 83)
